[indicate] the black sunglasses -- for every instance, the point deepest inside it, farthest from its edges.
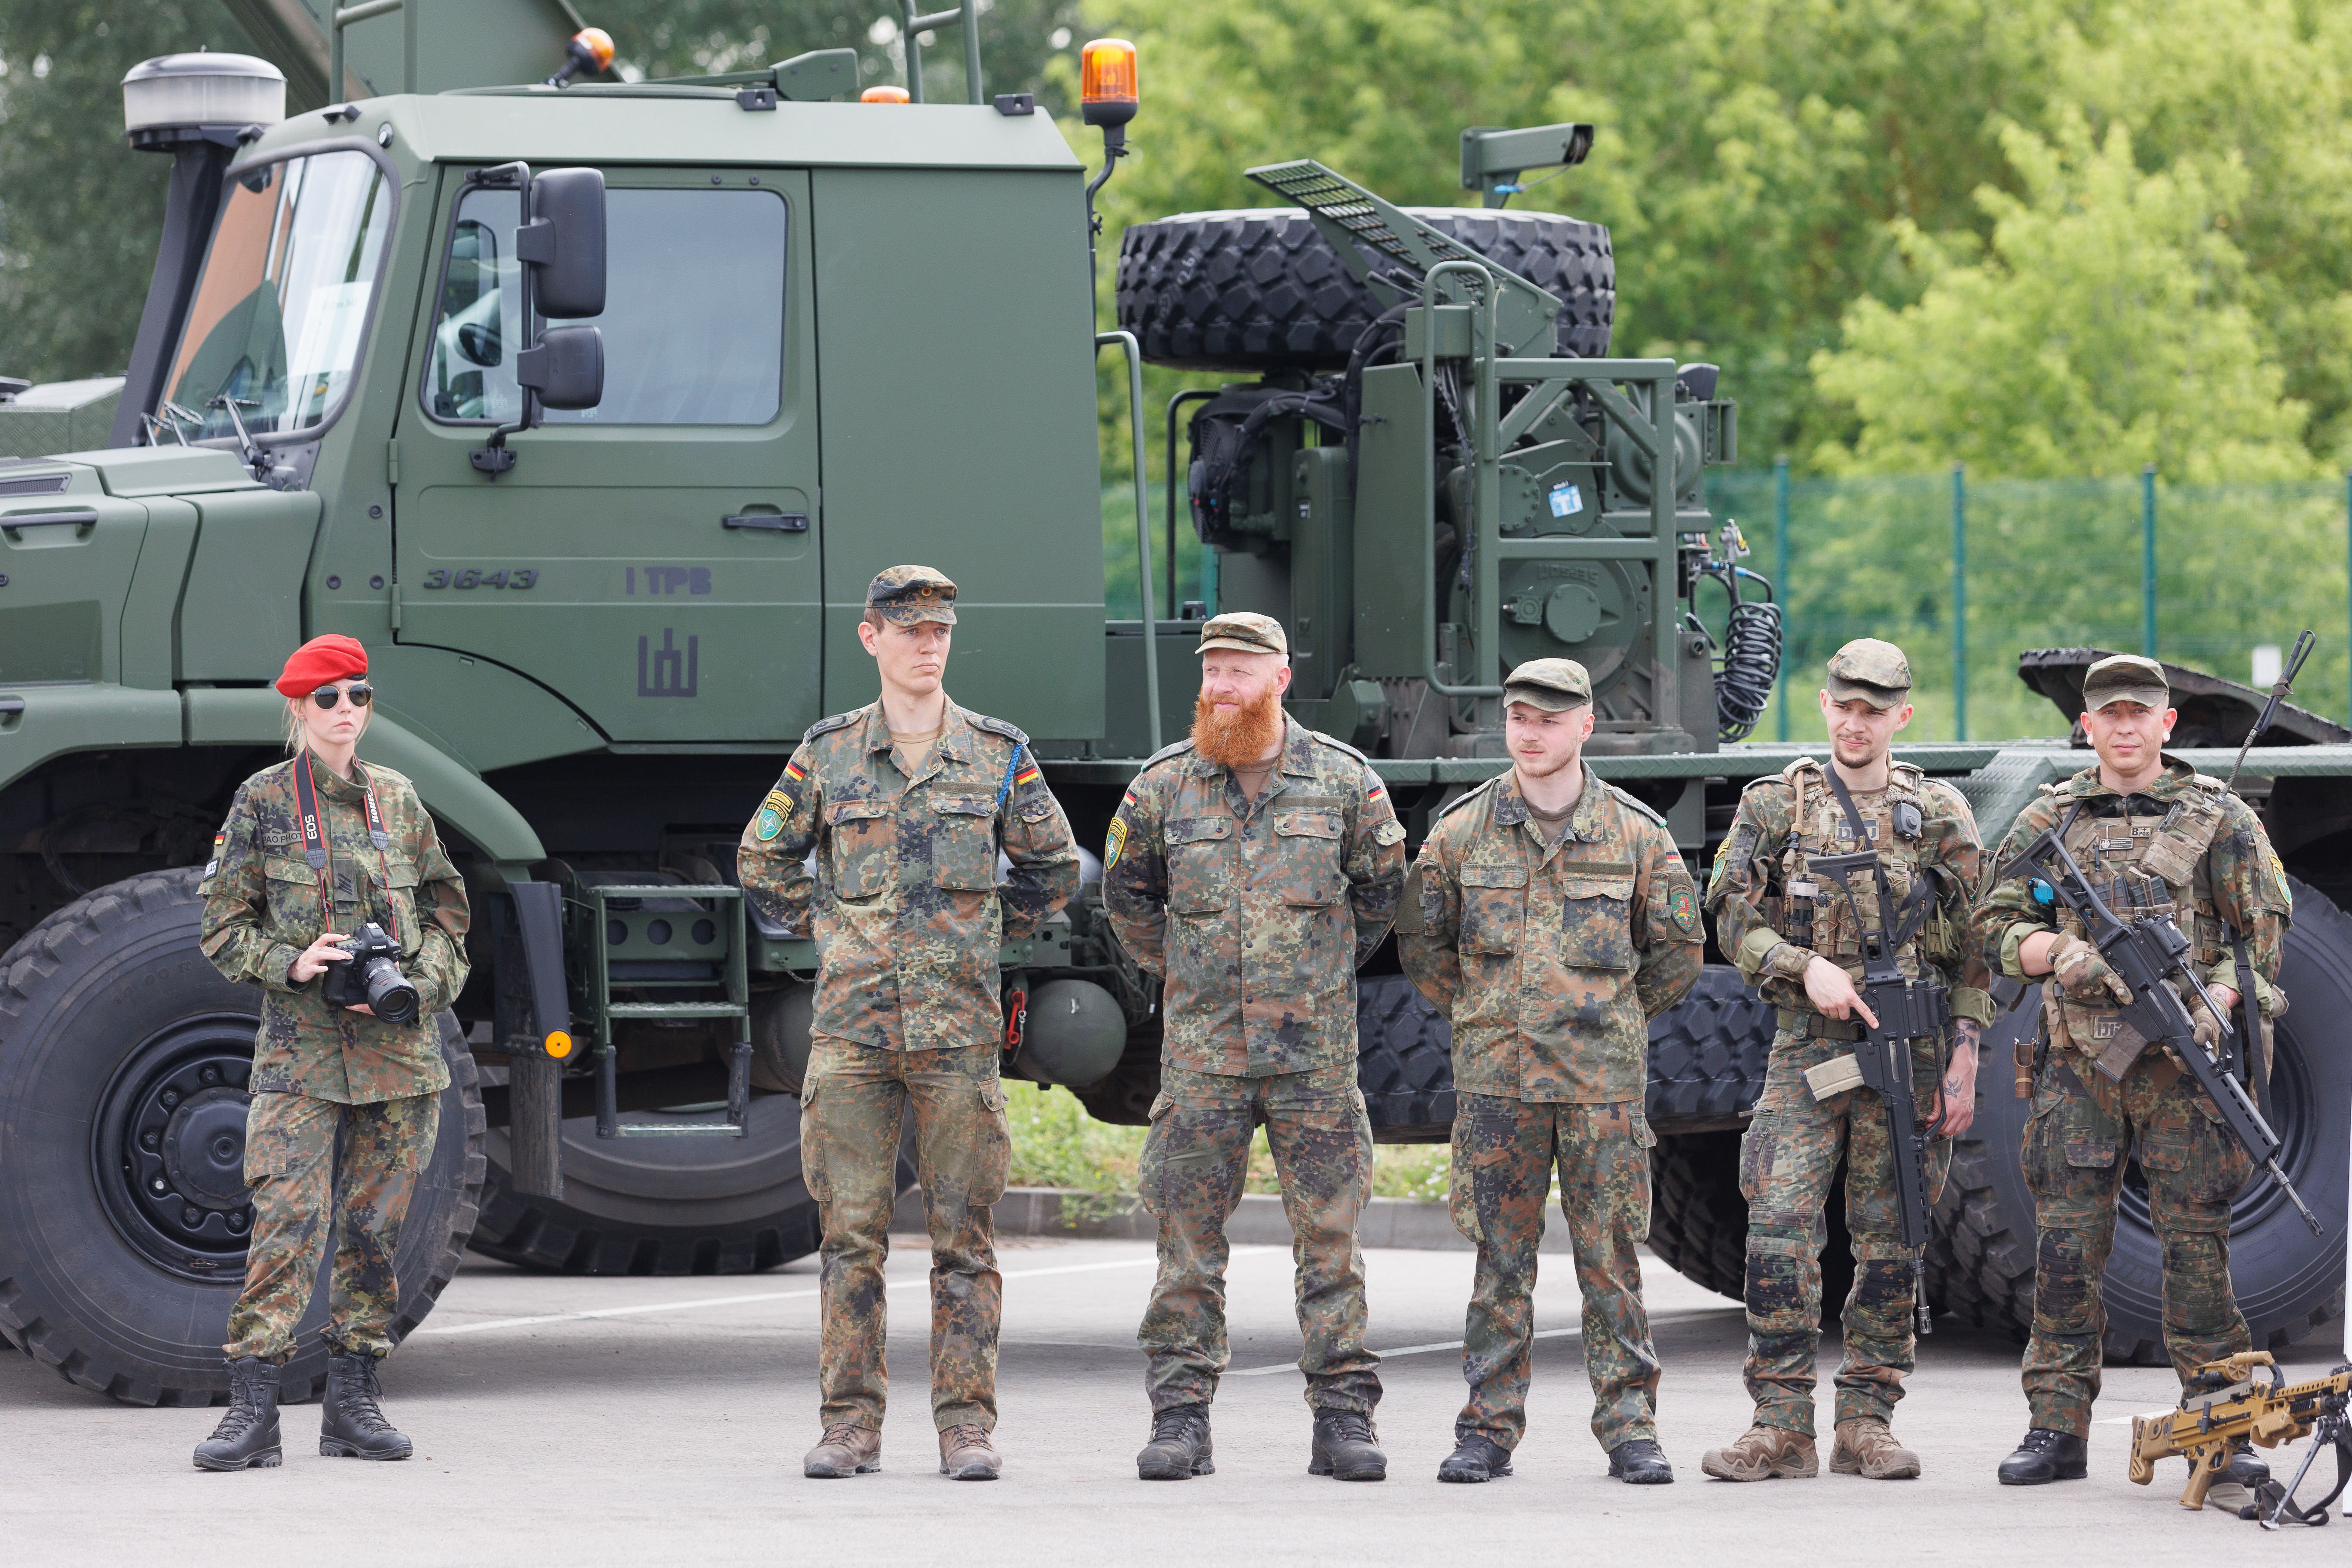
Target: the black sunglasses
(326, 697)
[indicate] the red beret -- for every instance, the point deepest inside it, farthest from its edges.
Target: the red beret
(321, 661)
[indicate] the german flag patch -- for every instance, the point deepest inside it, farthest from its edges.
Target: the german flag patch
(794, 772)
(1027, 775)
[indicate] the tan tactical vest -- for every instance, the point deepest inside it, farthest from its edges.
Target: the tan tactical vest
(2142, 866)
(1813, 913)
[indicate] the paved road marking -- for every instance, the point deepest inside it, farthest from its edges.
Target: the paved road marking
(1392, 1355)
(495, 1324)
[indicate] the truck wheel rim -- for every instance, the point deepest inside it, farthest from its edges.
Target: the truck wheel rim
(167, 1147)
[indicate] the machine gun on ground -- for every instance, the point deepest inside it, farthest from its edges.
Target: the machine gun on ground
(2146, 956)
(2222, 1405)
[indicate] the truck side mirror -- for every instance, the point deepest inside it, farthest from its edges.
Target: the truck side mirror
(565, 244)
(567, 369)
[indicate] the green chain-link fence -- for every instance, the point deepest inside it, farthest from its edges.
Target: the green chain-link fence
(2037, 563)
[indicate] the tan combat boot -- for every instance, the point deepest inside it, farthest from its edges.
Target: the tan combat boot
(1865, 1447)
(1763, 1453)
(966, 1454)
(843, 1450)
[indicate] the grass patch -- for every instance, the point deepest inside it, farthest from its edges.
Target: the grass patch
(1057, 1144)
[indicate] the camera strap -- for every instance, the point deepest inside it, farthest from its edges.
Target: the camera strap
(316, 846)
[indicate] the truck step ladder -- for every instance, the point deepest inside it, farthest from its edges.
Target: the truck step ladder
(720, 911)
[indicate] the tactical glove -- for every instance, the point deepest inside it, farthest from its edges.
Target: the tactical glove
(2084, 975)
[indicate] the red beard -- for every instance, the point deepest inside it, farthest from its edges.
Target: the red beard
(1238, 739)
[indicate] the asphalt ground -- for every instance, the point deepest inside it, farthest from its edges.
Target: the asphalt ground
(645, 1421)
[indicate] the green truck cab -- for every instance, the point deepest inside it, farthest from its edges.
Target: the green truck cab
(608, 565)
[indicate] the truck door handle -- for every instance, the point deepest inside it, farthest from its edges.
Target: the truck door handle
(769, 521)
(80, 517)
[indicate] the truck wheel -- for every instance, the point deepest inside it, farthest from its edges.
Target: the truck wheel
(662, 1205)
(1257, 289)
(1405, 1063)
(2287, 1283)
(123, 1059)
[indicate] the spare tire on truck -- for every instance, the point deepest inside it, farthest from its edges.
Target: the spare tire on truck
(123, 1060)
(2288, 1282)
(1259, 290)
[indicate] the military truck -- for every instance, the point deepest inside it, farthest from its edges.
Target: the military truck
(590, 406)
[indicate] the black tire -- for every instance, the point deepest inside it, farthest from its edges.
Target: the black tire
(2288, 1283)
(1259, 290)
(662, 1205)
(1404, 1062)
(1708, 1053)
(1698, 1221)
(104, 1008)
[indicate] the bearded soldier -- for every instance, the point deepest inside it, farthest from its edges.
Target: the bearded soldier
(2155, 838)
(1796, 938)
(1253, 867)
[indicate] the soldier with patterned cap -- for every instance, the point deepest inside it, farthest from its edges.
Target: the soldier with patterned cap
(1549, 917)
(1253, 867)
(906, 804)
(2155, 838)
(1797, 940)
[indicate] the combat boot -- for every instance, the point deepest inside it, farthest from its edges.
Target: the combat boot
(1346, 1447)
(351, 1418)
(247, 1437)
(2246, 1470)
(844, 1450)
(1178, 1448)
(966, 1454)
(1865, 1447)
(1763, 1453)
(1475, 1457)
(1640, 1462)
(2044, 1457)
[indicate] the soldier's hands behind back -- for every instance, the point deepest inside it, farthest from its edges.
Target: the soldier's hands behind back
(1830, 990)
(2084, 975)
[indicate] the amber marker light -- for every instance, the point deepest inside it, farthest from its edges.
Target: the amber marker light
(559, 1044)
(588, 54)
(1107, 82)
(882, 95)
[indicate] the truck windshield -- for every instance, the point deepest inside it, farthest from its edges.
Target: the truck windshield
(277, 316)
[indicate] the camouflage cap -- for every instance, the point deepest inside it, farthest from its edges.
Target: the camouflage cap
(2126, 678)
(909, 595)
(1245, 632)
(1874, 671)
(1554, 685)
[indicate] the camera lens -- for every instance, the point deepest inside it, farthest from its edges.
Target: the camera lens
(389, 993)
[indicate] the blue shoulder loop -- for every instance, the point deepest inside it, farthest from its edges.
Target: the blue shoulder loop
(1012, 766)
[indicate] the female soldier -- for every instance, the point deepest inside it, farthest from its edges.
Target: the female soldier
(345, 1103)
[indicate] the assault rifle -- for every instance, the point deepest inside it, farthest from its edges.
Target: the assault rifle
(2144, 956)
(1906, 1010)
(2222, 1405)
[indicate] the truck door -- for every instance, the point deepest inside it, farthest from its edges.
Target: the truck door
(654, 560)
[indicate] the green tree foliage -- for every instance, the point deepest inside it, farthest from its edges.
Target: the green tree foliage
(79, 211)
(2105, 328)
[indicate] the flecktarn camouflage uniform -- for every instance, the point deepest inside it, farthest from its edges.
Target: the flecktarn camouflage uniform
(908, 919)
(1550, 960)
(1257, 914)
(2184, 847)
(1774, 917)
(321, 1073)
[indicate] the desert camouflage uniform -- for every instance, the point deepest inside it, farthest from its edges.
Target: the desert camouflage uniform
(1550, 960)
(908, 919)
(1769, 923)
(2182, 847)
(1257, 914)
(321, 1073)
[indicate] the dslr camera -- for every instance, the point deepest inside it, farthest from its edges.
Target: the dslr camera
(372, 978)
